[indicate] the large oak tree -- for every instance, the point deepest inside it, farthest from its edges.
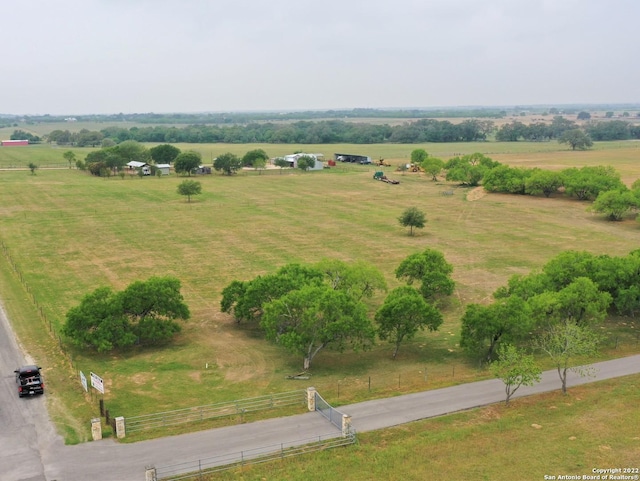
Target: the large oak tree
(403, 314)
(312, 318)
(144, 313)
(485, 326)
(187, 162)
(164, 153)
(431, 270)
(228, 163)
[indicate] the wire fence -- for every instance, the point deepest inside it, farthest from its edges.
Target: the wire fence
(213, 411)
(12, 165)
(30, 292)
(374, 384)
(201, 468)
(55, 334)
(405, 380)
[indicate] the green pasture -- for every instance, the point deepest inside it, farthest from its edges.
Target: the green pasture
(593, 427)
(66, 233)
(533, 154)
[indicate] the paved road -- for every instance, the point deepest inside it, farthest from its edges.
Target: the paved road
(26, 434)
(383, 413)
(366, 416)
(31, 451)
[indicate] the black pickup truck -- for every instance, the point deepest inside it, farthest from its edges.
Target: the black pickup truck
(29, 381)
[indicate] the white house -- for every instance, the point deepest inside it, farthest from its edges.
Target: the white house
(293, 160)
(135, 165)
(164, 168)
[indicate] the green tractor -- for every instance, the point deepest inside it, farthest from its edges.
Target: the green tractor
(380, 176)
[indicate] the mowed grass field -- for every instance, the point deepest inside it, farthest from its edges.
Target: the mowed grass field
(69, 233)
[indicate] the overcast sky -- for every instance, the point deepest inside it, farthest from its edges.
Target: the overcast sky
(138, 56)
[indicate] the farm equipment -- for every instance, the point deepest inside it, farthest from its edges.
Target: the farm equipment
(380, 176)
(409, 168)
(382, 163)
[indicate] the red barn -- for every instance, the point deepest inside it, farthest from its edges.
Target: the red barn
(7, 143)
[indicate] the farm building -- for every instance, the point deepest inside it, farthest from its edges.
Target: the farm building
(293, 160)
(356, 159)
(203, 169)
(164, 168)
(135, 165)
(9, 143)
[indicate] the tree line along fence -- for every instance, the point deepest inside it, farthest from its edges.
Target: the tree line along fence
(432, 376)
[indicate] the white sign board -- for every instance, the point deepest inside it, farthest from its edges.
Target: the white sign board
(96, 382)
(83, 380)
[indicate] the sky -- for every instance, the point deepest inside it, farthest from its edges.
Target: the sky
(77, 57)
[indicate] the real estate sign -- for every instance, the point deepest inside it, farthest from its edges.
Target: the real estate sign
(83, 380)
(97, 382)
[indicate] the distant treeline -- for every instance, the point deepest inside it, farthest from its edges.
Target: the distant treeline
(540, 131)
(243, 118)
(249, 117)
(22, 135)
(337, 131)
(322, 132)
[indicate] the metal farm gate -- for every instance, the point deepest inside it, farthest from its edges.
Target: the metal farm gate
(196, 469)
(333, 415)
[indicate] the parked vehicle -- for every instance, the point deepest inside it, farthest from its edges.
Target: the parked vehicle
(29, 381)
(354, 159)
(379, 175)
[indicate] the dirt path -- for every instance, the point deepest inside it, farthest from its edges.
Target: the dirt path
(475, 194)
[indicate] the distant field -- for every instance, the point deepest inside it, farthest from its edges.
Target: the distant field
(69, 233)
(42, 129)
(511, 153)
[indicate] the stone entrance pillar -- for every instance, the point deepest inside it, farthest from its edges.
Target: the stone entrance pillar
(96, 429)
(311, 398)
(120, 429)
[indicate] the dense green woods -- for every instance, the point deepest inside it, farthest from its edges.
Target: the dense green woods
(339, 131)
